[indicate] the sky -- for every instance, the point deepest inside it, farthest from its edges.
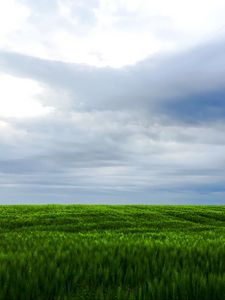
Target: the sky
(112, 102)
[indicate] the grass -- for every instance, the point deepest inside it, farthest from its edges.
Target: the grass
(112, 252)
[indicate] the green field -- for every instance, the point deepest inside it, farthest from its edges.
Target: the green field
(112, 252)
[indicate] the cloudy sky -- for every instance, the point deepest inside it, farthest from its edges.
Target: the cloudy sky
(117, 101)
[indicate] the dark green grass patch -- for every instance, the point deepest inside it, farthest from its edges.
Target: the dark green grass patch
(112, 252)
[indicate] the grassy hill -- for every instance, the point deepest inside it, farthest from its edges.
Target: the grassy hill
(112, 252)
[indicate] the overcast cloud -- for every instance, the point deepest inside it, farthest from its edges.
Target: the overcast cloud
(112, 101)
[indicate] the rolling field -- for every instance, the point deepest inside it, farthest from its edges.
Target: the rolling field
(112, 252)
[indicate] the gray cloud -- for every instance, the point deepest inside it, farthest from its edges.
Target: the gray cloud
(169, 78)
(121, 130)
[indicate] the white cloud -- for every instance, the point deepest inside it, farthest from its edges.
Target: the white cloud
(19, 98)
(107, 33)
(13, 16)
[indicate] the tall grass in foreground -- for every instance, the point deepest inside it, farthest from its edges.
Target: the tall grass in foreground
(100, 252)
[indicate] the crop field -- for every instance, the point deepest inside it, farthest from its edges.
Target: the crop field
(96, 252)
